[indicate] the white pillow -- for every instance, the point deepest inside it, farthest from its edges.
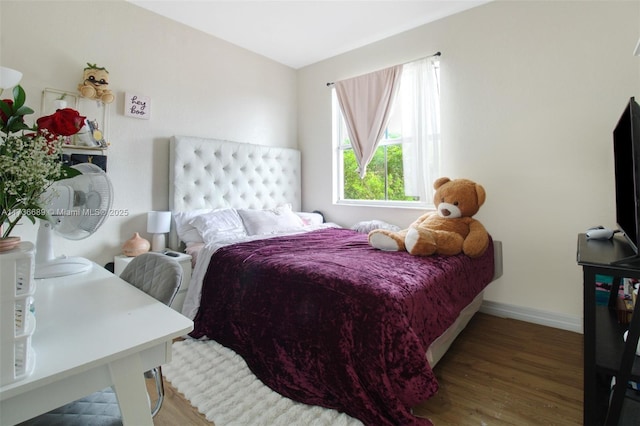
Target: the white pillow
(223, 224)
(187, 232)
(309, 219)
(369, 225)
(261, 222)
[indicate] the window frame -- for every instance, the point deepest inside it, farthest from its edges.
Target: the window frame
(338, 165)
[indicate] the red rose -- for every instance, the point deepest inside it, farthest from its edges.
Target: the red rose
(63, 122)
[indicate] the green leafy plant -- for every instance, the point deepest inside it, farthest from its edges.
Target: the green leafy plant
(30, 158)
(384, 179)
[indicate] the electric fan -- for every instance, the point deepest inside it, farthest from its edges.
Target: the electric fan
(77, 207)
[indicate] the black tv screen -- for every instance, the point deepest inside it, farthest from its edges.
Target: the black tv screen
(626, 147)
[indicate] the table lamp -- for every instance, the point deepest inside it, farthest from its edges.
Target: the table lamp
(158, 224)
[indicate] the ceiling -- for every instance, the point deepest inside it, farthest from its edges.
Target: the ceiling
(301, 32)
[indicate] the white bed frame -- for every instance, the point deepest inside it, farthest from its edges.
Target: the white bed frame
(212, 173)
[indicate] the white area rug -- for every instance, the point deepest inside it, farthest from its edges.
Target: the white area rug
(219, 384)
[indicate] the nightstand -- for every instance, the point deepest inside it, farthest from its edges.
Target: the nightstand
(121, 261)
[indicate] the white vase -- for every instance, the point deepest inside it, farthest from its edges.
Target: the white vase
(59, 104)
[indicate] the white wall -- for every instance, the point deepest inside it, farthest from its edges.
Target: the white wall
(199, 85)
(530, 94)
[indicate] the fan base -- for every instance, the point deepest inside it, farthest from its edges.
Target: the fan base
(62, 267)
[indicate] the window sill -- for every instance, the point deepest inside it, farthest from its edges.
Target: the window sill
(385, 204)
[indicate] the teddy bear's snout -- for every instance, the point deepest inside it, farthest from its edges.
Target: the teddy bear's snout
(449, 210)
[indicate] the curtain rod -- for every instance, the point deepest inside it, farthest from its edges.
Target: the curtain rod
(408, 62)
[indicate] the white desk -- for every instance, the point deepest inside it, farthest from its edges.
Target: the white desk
(93, 330)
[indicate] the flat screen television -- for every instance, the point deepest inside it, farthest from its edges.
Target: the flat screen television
(626, 148)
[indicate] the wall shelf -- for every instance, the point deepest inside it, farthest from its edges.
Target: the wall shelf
(95, 111)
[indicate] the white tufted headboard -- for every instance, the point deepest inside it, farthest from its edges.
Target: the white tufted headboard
(212, 173)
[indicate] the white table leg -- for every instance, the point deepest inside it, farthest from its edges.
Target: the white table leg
(129, 384)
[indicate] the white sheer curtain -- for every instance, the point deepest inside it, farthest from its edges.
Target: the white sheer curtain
(420, 127)
(366, 102)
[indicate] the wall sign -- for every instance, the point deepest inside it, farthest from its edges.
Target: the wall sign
(137, 106)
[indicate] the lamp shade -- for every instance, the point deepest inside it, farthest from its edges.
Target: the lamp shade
(158, 222)
(9, 77)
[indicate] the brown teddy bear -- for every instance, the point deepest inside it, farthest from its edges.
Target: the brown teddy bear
(94, 84)
(449, 230)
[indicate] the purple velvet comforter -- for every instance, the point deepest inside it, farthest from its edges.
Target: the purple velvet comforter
(325, 319)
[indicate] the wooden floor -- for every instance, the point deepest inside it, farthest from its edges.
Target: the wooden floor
(498, 372)
(507, 372)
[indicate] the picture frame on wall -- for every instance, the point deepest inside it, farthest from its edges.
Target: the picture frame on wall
(137, 106)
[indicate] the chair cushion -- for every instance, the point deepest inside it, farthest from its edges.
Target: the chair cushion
(98, 409)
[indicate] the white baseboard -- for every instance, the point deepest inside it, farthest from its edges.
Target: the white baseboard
(536, 316)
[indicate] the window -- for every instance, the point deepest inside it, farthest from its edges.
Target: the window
(407, 159)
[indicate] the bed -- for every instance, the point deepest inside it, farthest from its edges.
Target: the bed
(318, 315)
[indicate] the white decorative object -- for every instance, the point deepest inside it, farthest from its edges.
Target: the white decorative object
(158, 224)
(137, 106)
(9, 78)
(84, 137)
(59, 104)
(17, 321)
